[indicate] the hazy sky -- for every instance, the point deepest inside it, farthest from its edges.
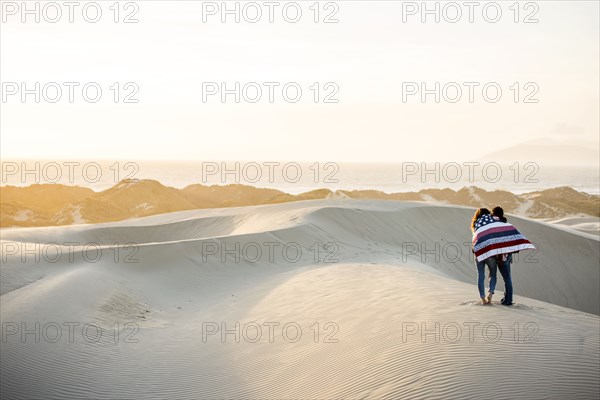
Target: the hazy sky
(368, 54)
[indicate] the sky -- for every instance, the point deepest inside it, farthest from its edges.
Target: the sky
(368, 66)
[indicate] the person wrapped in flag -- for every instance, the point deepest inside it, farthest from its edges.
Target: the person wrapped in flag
(492, 237)
(504, 261)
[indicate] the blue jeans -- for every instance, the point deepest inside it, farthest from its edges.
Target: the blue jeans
(504, 268)
(493, 266)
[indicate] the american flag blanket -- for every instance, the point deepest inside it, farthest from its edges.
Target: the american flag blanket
(492, 237)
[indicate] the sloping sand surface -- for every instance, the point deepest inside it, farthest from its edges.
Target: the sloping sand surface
(370, 299)
(589, 225)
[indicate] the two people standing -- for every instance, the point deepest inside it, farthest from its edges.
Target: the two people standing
(494, 241)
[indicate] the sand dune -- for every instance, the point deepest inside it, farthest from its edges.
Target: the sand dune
(382, 292)
(589, 225)
(53, 204)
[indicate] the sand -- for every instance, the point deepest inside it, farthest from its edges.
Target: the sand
(587, 224)
(382, 311)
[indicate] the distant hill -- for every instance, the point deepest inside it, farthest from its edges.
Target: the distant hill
(550, 203)
(547, 152)
(53, 204)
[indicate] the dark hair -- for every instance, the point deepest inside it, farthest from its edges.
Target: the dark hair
(499, 212)
(478, 214)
